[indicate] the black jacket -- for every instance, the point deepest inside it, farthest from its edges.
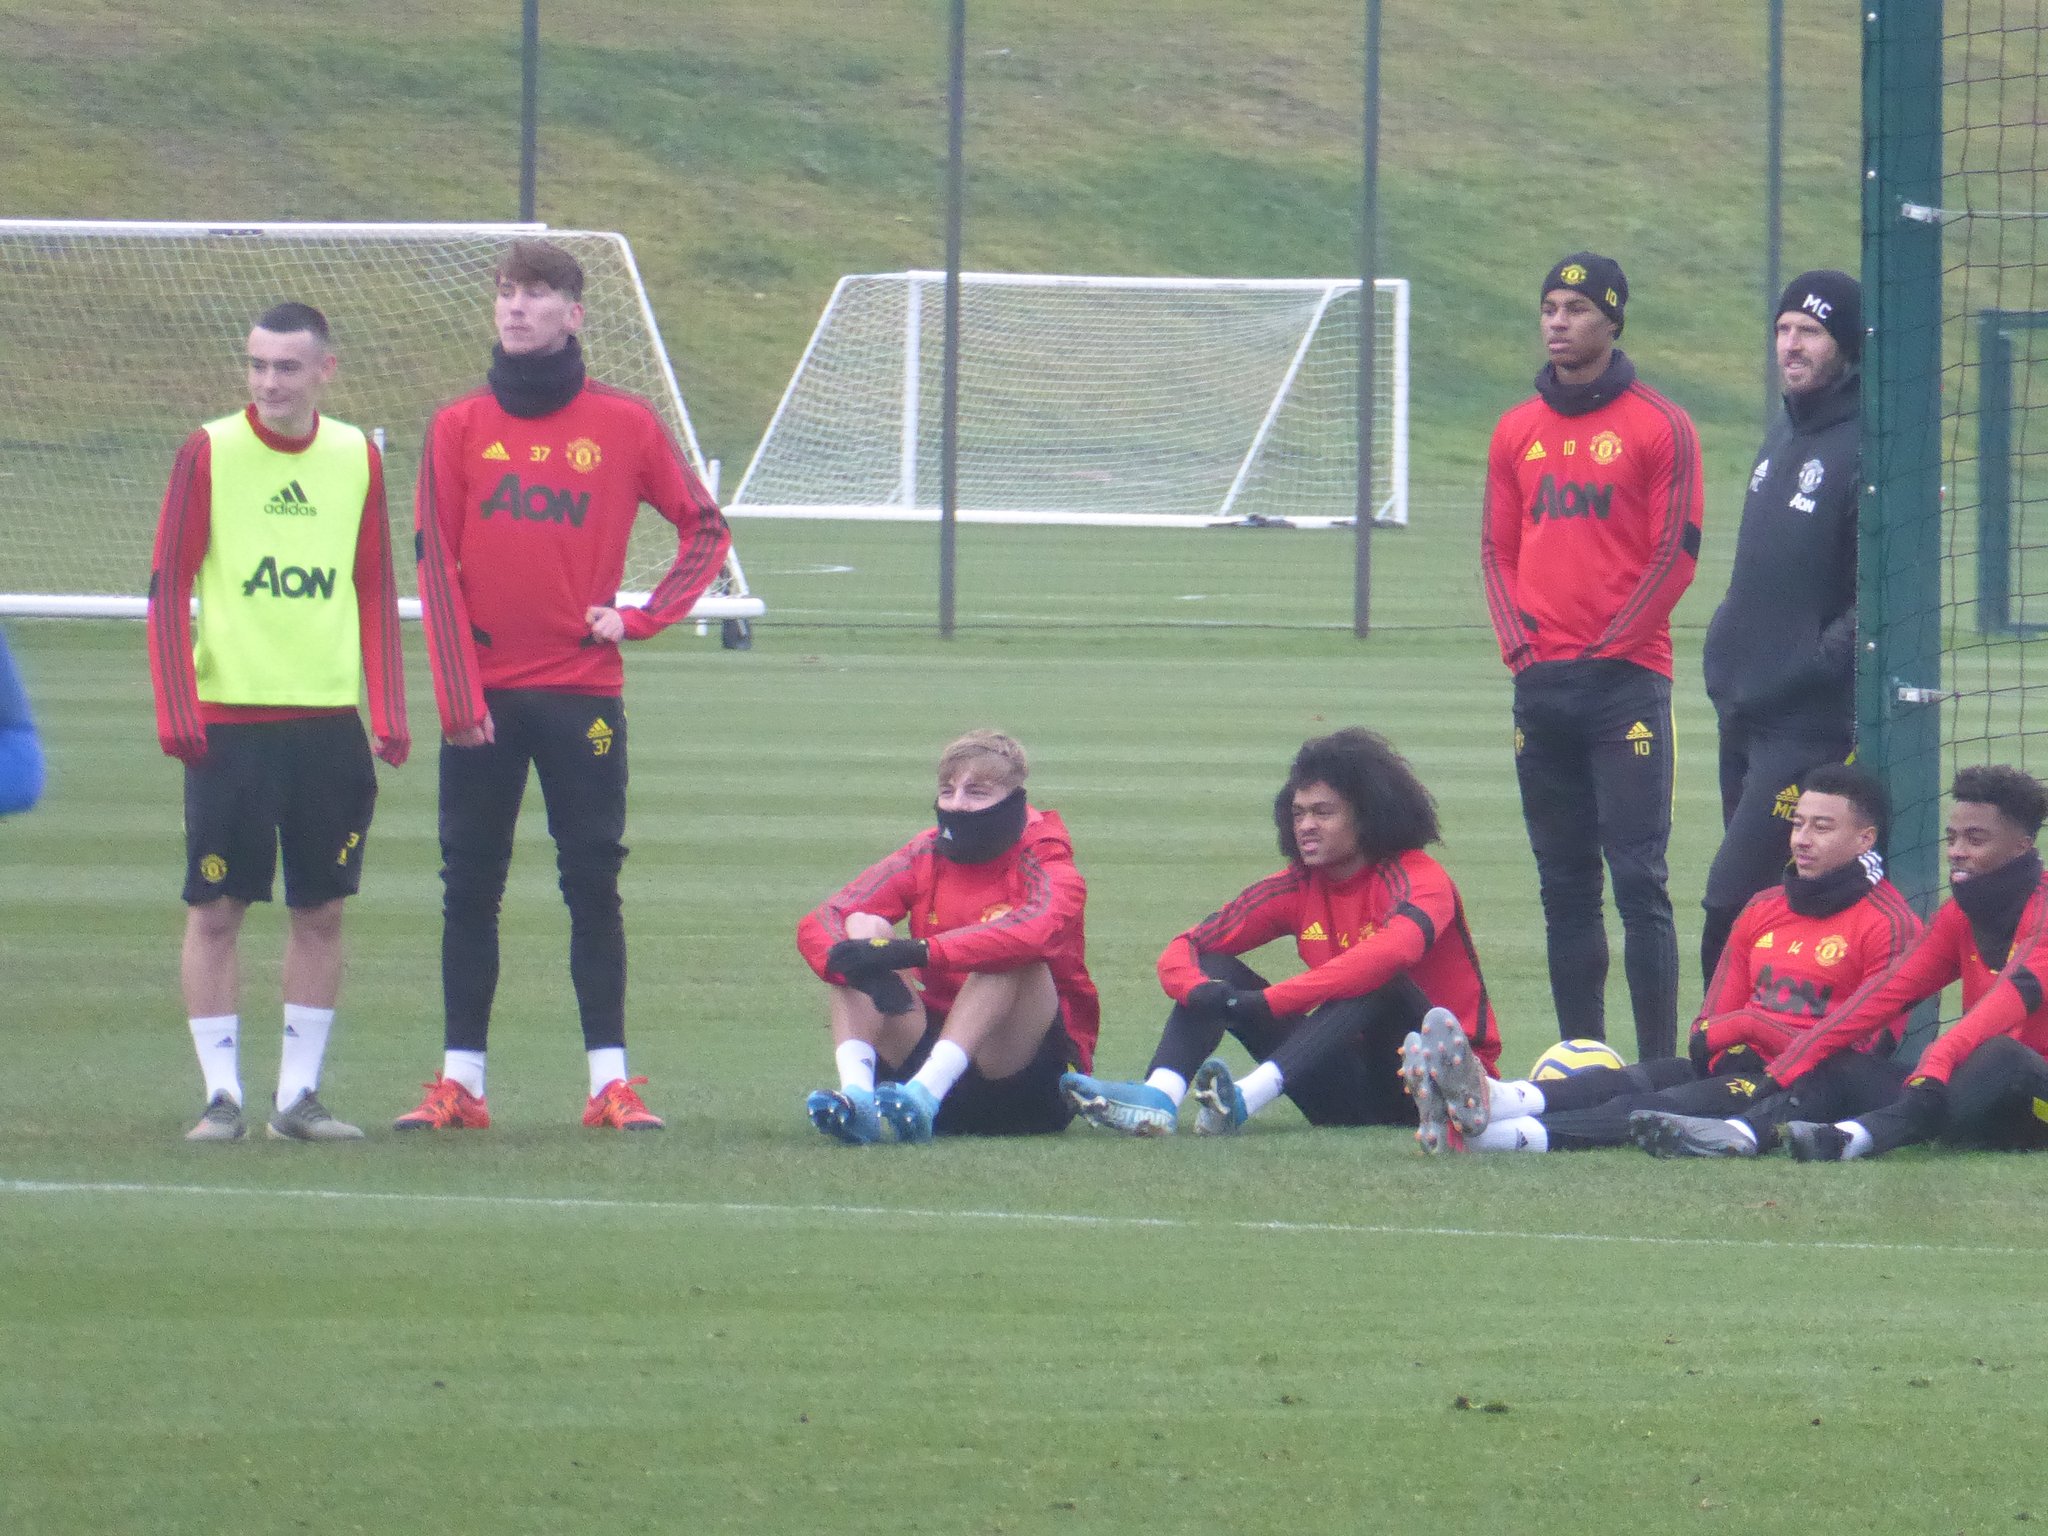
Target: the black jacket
(1781, 651)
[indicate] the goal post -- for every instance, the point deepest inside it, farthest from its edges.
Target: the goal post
(117, 338)
(1115, 401)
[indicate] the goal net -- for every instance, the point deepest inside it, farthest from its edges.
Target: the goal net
(1112, 400)
(117, 339)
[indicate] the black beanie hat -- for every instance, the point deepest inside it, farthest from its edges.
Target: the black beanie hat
(1835, 300)
(1597, 277)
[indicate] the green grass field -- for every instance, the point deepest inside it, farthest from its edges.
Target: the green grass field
(739, 1327)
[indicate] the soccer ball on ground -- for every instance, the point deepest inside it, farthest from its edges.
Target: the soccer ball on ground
(1568, 1058)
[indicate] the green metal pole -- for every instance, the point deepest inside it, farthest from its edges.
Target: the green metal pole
(1898, 674)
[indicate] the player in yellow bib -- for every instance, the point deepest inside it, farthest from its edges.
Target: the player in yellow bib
(275, 517)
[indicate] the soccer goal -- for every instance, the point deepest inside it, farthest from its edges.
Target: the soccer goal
(118, 338)
(1125, 401)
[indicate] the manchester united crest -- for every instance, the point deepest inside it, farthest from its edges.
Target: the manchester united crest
(584, 455)
(1606, 447)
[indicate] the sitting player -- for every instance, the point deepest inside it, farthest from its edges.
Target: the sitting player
(1796, 954)
(1983, 1083)
(997, 945)
(1382, 930)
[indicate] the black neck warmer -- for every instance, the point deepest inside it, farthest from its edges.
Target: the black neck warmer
(1824, 407)
(975, 837)
(1579, 399)
(536, 383)
(1836, 891)
(1993, 904)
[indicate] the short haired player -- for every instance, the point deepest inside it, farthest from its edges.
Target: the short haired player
(962, 1025)
(1380, 926)
(528, 491)
(275, 518)
(1800, 952)
(1984, 1083)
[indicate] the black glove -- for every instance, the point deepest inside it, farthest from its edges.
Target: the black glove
(1696, 1050)
(1247, 1005)
(887, 991)
(853, 958)
(1207, 998)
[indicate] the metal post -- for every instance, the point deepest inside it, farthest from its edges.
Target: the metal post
(1368, 304)
(529, 107)
(1899, 547)
(1774, 201)
(949, 381)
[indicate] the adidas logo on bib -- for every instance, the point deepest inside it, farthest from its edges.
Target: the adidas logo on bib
(291, 502)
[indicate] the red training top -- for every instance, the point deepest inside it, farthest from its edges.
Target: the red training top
(2003, 1002)
(1591, 529)
(523, 523)
(183, 530)
(1024, 905)
(1781, 974)
(1401, 916)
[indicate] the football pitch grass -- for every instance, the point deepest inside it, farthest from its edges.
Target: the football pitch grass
(736, 1326)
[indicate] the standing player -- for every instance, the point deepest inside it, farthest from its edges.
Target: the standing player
(1378, 923)
(1985, 1081)
(997, 944)
(527, 493)
(21, 753)
(1780, 657)
(1590, 534)
(276, 514)
(1802, 950)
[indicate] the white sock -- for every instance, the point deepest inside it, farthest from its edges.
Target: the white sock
(1859, 1139)
(1510, 1099)
(942, 1069)
(466, 1068)
(1518, 1133)
(305, 1044)
(1168, 1082)
(856, 1060)
(607, 1066)
(1260, 1087)
(215, 1038)
(1744, 1127)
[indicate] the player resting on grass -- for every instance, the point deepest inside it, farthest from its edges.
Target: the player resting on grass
(1589, 537)
(1380, 927)
(276, 515)
(21, 752)
(1801, 950)
(1983, 1083)
(964, 1026)
(528, 489)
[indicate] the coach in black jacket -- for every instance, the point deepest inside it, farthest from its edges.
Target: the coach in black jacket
(1780, 657)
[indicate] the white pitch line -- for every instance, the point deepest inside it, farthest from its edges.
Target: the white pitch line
(1045, 1218)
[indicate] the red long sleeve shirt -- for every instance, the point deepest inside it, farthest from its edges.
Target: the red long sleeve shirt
(1402, 916)
(1025, 905)
(1591, 529)
(2007, 1001)
(523, 525)
(1782, 974)
(183, 529)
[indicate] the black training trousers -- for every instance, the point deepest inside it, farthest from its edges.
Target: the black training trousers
(1594, 759)
(1341, 1062)
(1761, 770)
(577, 745)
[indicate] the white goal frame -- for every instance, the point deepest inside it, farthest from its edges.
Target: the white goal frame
(32, 240)
(914, 496)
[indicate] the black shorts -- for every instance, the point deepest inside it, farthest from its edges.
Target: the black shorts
(307, 787)
(1026, 1103)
